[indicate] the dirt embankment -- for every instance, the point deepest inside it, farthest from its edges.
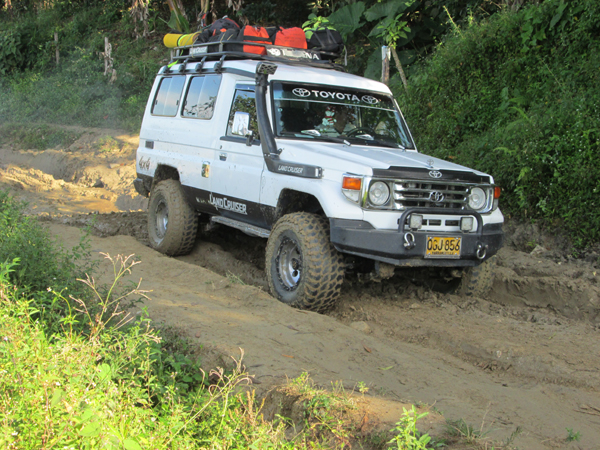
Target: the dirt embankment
(527, 356)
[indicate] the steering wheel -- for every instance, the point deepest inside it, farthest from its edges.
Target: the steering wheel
(360, 130)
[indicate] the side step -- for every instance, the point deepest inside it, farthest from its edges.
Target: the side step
(242, 226)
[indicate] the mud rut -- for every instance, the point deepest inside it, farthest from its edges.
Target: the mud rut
(527, 356)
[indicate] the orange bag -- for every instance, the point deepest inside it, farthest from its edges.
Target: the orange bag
(291, 37)
(255, 34)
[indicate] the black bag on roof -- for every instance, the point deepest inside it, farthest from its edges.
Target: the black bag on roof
(223, 24)
(325, 40)
(203, 37)
(224, 36)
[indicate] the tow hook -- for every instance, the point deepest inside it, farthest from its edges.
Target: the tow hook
(481, 251)
(409, 241)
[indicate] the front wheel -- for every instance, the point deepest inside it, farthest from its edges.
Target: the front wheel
(172, 222)
(477, 281)
(304, 270)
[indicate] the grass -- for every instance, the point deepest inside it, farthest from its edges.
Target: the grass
(107, 144)
(36, 136)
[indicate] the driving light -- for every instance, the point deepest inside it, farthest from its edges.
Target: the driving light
(415, 222)
(379, 193)
(477, 198)
(466, 224)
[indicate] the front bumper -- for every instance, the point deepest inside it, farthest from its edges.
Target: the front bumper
(360, 238)
(143, 184)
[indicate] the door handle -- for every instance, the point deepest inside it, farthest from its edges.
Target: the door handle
(223, 156)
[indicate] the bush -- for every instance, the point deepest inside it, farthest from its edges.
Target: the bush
(42, 263)
(516, 96)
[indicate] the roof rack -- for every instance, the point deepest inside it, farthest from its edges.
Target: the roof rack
(276, 53)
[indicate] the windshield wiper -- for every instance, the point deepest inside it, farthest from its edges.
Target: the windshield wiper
(317, 134)
(370, 140)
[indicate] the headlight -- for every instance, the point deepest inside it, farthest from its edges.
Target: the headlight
(477, 199)
(379, 193)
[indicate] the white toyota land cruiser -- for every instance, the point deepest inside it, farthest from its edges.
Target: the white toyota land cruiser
(319, 162)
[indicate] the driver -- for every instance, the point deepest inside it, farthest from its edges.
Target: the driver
(340, 118)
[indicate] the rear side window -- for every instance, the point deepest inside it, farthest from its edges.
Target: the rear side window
(201, 97)
(168, 96)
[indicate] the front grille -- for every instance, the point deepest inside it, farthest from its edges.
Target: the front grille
(427, 194)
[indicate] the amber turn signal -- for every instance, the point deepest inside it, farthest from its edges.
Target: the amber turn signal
(351, 183)
(497, 191)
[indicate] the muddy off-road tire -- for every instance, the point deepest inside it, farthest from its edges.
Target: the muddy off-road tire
(172, 223)
(477, 281)
(304, 270)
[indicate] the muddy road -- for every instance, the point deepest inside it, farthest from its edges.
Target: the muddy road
(526, 357)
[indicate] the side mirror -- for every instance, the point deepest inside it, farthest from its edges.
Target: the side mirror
(241, 123)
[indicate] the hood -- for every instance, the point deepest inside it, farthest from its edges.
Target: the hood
(377, 161)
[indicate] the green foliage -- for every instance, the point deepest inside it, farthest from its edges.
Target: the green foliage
(35, 137)
(348, 19)
(88, 377)
(78, 93)
(11, 56)
(42, 263)
(573, 435)
(111, 389)
(325, 418)
(407, 436)
(516, 96)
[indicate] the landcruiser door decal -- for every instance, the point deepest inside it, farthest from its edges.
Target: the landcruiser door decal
(229, 205)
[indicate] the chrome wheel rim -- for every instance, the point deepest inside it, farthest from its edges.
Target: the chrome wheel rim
(162, 219)
(289, 264)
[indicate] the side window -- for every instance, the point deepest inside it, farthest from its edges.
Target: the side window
(167, 96)
(244, 102)
(201, 97)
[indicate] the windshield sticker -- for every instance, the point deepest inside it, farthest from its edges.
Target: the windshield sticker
(334, 95)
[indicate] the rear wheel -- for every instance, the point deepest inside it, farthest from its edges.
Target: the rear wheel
(477, 281)
(304, 270)
(172, 222)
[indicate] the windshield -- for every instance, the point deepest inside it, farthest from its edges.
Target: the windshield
(325, 112)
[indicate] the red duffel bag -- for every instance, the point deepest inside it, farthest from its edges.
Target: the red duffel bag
(290, 37)
(255, 34)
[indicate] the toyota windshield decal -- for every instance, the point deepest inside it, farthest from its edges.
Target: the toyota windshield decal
(336, 95)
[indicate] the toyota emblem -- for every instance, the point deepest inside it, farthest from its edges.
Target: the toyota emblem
(369, 99)
(301, 92)
(436, 197)
(435, 174)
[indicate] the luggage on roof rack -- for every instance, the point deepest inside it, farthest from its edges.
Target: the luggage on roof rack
(254, 34)
(290, 37)
(224, 39)
(324, 39)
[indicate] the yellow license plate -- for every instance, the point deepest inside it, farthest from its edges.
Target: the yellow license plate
(442, 247)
